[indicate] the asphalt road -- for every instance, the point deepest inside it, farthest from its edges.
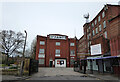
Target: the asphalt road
(59, 74)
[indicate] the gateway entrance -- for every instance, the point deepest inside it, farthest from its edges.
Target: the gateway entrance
(60, 62)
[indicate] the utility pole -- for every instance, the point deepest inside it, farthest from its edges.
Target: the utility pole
(22, 63)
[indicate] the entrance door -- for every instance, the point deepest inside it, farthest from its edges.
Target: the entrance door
(100, 65)
(51, 63)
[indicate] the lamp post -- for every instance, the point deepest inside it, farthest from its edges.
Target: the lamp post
(22, 63)
(24, 44)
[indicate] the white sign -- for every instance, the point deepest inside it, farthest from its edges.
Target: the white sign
(60, 62)
(57, 37)
(96, 49)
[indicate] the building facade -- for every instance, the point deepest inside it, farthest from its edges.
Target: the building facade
(56, 50)
(104, 33)
(100, 27)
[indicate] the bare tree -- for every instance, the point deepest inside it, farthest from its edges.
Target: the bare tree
(10, 42)
(33, 49)
(28, 53)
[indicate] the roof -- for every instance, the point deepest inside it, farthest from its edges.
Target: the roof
(57, 34)
(110, 5)
(104, 57)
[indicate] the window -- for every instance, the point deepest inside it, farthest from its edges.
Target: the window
(57, 43)
(93, 32)
(72, 52)
(103, 14)
(92, 25)
(105, 33)
(100, 28)
(96, 30)
(95, 22)
(41, 51)
(87, 30)
(72, 61)
(99, 19)
(41, 61)
(42, 42)
(72, 44)
(41, 55)
(89, 27)
(88, 44)
(89, 34)
(104, 24)
(57, 52)
(88, 37)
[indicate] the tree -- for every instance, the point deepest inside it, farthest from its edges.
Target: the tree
(33, 48)
(28, 53)
(11, 42)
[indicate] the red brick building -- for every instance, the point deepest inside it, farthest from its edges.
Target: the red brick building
(115, 35)
(99, 30)
(104, 29)
(56, 50)
(82, 48)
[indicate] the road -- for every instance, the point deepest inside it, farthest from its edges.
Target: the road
(59, 74)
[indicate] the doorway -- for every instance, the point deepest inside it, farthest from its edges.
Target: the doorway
(51, 63)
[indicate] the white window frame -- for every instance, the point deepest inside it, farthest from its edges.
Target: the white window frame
(57, 43)
(72, 44)
(42, 42)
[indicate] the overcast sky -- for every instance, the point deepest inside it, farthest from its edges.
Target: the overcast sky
(43, 18)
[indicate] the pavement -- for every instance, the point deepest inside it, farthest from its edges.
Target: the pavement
(62, 74)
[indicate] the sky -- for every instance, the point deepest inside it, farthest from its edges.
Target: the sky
(48, 16)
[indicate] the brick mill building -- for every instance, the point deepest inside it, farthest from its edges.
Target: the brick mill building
(103, 30)
(56, 50)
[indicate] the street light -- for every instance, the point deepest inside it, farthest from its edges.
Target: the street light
(24, 43)
(22, 63)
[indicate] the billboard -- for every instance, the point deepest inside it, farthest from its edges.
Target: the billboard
(96, 49)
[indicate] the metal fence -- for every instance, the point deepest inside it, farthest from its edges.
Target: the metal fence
(33, 67)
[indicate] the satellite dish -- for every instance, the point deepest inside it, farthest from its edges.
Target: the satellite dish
(86, 16)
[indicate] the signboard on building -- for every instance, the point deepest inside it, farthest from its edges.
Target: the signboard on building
(96, 49)
(60, 62)
(57, 37)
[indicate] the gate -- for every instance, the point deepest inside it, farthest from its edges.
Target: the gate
(33, 67)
